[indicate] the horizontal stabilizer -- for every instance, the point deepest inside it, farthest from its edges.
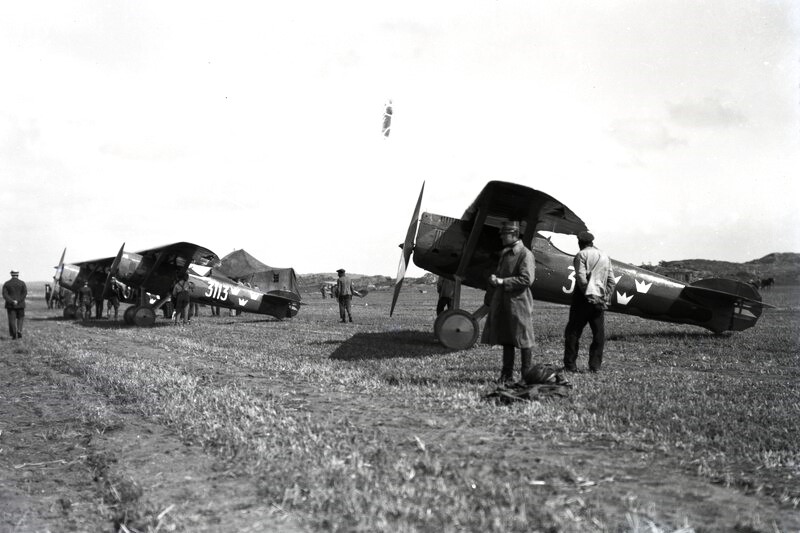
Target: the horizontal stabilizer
(728, 288)
(735, 305)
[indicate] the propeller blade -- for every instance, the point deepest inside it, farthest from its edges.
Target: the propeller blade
(408, 248)
(113, 270)
(59, 270)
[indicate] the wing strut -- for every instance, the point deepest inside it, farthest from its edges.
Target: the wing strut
(469, 248)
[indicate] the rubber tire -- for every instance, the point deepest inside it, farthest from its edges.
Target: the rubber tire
(144, 317)
(456, 329)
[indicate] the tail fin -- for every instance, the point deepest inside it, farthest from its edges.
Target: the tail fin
(734, 305)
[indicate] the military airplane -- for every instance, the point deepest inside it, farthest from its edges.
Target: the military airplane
(150, 274)
(467, 250)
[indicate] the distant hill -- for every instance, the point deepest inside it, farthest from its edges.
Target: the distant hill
(784, 268)
(312, 282)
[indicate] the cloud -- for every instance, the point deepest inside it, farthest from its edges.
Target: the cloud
(644, 134)
(706, 113)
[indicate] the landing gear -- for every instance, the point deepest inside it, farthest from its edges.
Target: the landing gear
(144, 317)
(456, 329)
(127, 316)
(71, 311)
(139, 315)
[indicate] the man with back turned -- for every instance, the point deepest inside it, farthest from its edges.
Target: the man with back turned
(14, 293)
(594, 276)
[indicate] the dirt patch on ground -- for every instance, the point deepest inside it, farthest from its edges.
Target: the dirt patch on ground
(59, 472)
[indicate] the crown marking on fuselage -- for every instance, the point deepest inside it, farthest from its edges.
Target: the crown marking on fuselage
(623, 298)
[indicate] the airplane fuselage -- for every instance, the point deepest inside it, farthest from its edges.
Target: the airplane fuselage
(639, 292)
(158, 279)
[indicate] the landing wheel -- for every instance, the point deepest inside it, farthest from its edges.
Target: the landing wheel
(456, 329)
(70, 311)
(127, 316)
(144, 317)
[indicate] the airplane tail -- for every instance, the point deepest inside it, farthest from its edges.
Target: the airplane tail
(734, 305)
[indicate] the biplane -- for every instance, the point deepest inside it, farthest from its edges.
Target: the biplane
(149, 276)
(467, 249)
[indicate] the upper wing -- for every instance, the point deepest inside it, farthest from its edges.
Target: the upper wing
(156, 269)
(182, 254)
(535, 210)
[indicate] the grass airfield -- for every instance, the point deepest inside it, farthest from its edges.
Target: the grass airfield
(251, 424)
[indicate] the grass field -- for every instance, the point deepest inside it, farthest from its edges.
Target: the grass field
(251, 424)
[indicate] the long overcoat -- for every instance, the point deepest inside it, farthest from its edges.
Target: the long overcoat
(510, 318)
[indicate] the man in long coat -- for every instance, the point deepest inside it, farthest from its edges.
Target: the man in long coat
(510, 319)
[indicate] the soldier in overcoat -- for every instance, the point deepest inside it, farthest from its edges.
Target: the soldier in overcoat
(510, 319)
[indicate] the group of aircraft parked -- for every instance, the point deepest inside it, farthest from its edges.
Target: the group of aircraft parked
(465, 250)
(147, 277)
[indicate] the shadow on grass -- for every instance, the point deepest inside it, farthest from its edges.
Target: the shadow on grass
(388, 345)
(701, 334)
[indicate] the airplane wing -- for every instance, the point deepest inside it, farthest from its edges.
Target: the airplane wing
(509, 201)
(183, 254)
(156, 269)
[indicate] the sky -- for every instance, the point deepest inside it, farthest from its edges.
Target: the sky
(672, 128)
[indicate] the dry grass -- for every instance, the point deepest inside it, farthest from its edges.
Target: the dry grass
(374, 427)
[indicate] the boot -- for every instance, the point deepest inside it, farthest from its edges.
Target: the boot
(525, 362)
(507, 373)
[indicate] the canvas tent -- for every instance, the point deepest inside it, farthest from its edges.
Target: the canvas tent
(241, 266)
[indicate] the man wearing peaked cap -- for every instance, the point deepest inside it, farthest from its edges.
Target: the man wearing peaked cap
(594, 285)
(14, 293)
(510, 319)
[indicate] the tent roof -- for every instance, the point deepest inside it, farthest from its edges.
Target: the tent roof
(239, 264)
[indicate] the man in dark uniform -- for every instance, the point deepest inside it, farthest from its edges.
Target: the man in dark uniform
(114, 293)
(85, 300)
(14, 293)
(345, 292)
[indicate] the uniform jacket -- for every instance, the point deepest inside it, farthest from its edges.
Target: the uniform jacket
(510, 319)
(594, 275)
(85, 295)
(15, 290)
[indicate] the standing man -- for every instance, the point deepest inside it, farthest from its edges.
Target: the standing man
(180, 293)
(445, 287)
(510, 319)
(345, 292)
(594, 284)
(114, 294)
(14, 293)
(48, 295)
(85, 300)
